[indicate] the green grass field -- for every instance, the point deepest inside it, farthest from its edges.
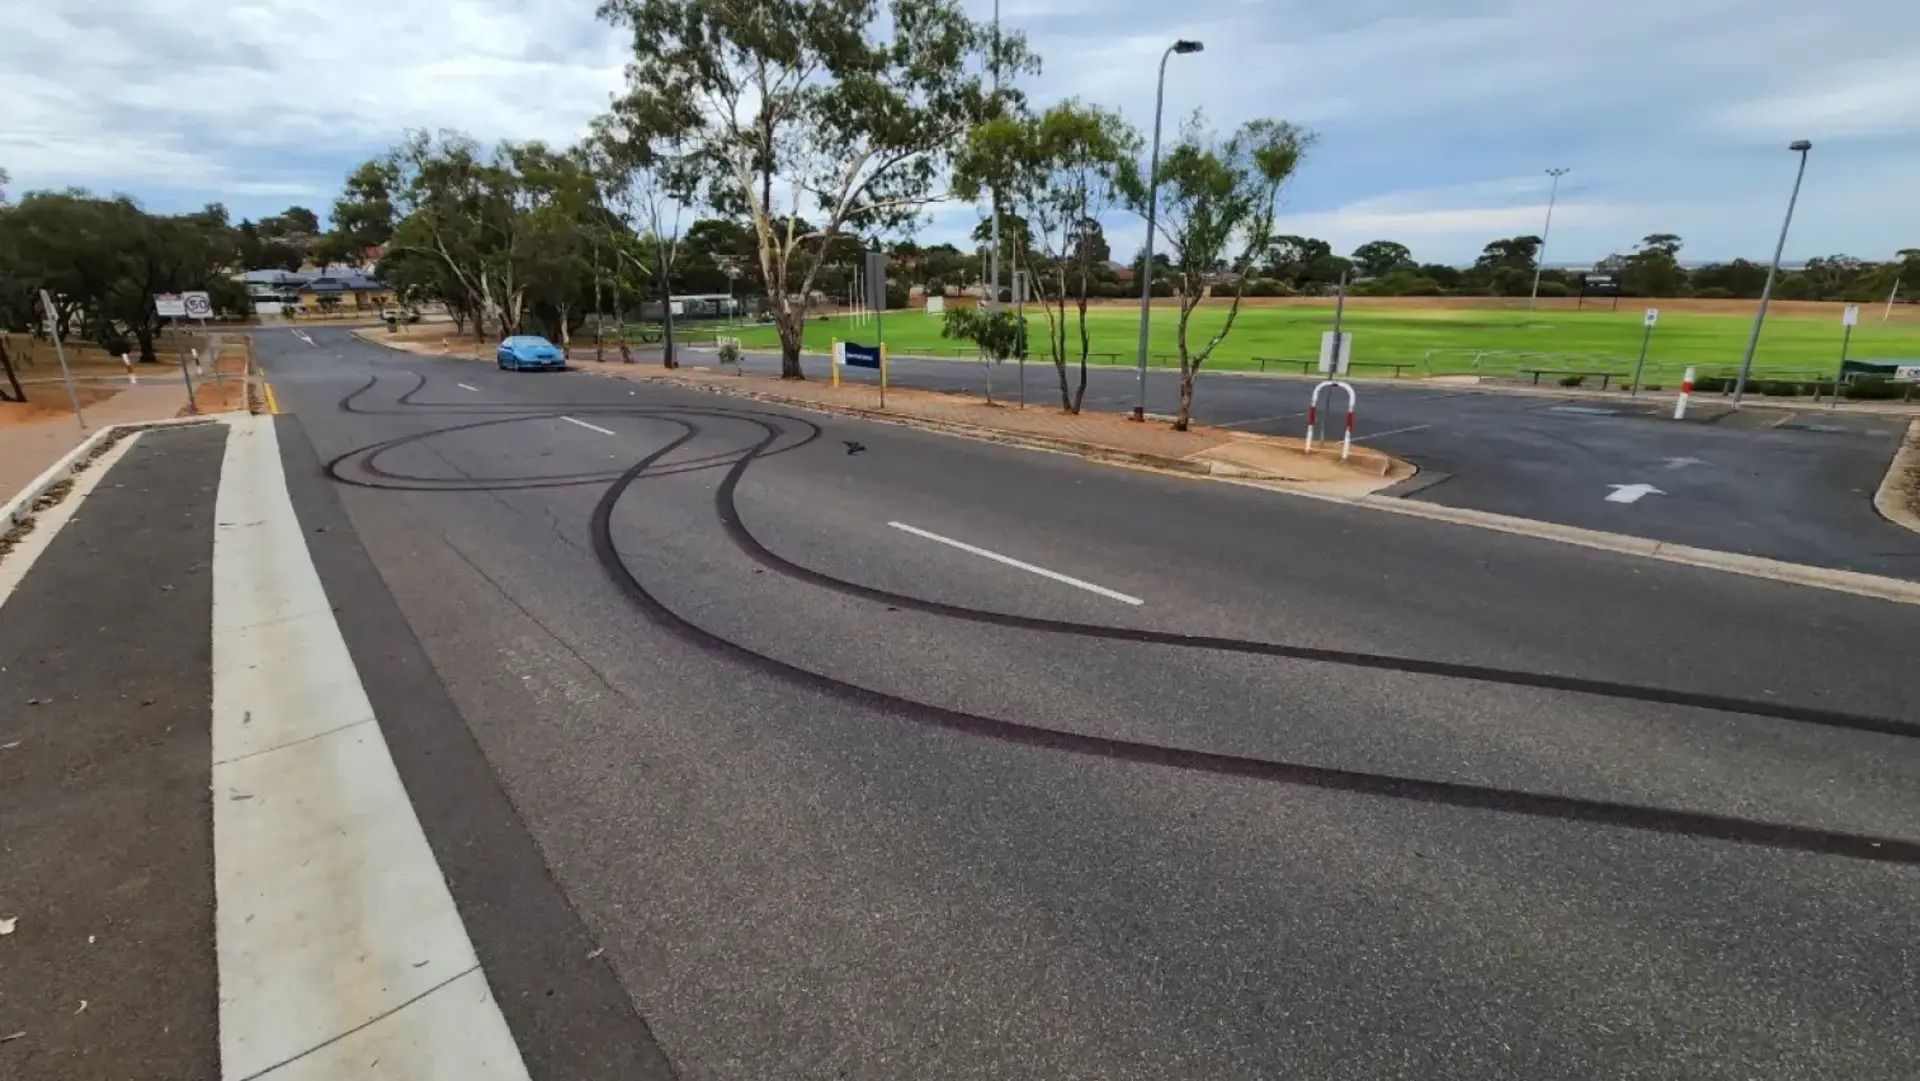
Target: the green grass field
(1441, 340)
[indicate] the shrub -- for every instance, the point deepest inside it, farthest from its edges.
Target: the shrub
(1572, 380)
(1873, 388)
(729, 350)
(1712, 384)
(1554, 289)
(1649, 386)
(1779, 388)
(1267, 287)
(1714, 292)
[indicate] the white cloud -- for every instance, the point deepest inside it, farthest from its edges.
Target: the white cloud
(1435, 115)
(1881, 98)
(277, 97)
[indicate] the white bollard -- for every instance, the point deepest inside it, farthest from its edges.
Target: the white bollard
(127, 361)
(1686, 391)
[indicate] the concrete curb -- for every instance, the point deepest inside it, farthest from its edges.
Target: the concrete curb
(1896, 590)
(1091, 451)
(19, 508)
(983, 433)
(1890, 499)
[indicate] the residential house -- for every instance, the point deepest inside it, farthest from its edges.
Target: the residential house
(344, 291)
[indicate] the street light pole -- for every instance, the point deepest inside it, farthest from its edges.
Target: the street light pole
(1766, 291)
(993, 271)
(1546, 234)
(1153, 204)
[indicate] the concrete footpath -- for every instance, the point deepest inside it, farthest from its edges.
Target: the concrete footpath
(211, 867)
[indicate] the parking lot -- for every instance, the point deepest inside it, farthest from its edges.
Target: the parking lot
(1794, 485)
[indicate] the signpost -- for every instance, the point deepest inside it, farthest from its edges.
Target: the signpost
(866, 356)
(1653, 316)
(196, 305)
(174, 306)
(1020, 330)
(53, 331)
(1599, 285)
(1849, 318)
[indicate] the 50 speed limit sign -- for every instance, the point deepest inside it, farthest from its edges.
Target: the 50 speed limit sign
(198, 305)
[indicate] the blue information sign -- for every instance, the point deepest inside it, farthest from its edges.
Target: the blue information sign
(861, 356)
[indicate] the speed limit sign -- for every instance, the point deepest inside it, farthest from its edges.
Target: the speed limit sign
(199, 305)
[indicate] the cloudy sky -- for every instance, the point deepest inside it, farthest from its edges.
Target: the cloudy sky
(1436, 117)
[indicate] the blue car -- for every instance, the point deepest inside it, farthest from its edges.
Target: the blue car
(523, 351)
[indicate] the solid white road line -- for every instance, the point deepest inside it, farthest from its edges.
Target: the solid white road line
(1390, 431)
(1012, 562)
(463, 386)
(340, 951)
(589, 427)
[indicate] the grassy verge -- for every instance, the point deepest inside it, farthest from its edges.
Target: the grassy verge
(1433, 341)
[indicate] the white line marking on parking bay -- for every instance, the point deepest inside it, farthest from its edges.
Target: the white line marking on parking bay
(1390, 431)
(588, 427)
(1012, 562)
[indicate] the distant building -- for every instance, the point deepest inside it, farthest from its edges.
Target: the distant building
(695, 306)
(282, 292)
(272, 291)
(345, 291)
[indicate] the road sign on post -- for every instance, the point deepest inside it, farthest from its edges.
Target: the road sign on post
(1646, 336)
(60, 354)
(876, 268)
(1336, 352)
(1849, 318)
(170, 305)
(196, 305)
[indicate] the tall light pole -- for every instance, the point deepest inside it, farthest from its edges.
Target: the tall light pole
(1546, 234)
(1766, 291)
(1153, 202)
(993, 269)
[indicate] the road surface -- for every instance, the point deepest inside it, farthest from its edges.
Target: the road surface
(1795, 486)
(754, 702)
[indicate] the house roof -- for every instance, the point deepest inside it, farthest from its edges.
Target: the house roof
(350, 282)
(274, 276)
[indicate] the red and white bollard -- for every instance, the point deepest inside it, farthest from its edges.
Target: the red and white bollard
(127, 361)
(1686, 391)
(1313, 415)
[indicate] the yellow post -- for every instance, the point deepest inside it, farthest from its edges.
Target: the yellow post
(883, 375)
(833, 362)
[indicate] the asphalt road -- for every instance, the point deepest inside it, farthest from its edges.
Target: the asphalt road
(1787, 485)
(1344, 795)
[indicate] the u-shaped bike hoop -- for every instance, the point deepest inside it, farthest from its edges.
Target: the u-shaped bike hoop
(1313, 415)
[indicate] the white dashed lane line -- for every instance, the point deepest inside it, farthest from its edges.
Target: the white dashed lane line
(1012, 562)
(588, 427)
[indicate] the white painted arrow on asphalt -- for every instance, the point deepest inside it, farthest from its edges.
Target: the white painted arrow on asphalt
(1631, 493)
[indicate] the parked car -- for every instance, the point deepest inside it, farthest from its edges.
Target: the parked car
(524, 351)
